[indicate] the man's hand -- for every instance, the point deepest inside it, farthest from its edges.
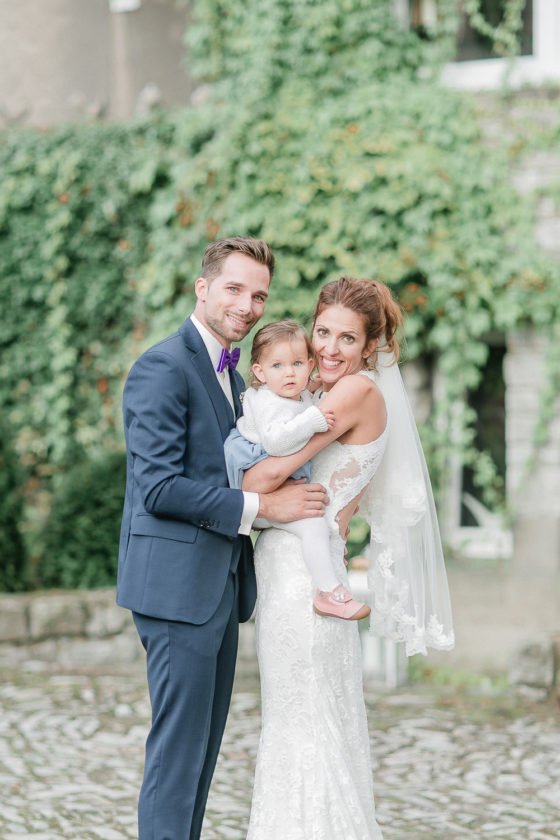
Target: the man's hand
(329, 417)
(294, 500)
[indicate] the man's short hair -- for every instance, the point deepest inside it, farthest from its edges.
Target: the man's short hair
(217, 252)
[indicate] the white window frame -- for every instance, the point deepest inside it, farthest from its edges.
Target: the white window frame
(491, 73)
(540, 67)
(120, 6)
(491, 538)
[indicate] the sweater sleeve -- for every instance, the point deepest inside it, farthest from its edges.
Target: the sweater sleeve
(284, 436)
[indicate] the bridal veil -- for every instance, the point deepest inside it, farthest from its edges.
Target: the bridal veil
(407, 579)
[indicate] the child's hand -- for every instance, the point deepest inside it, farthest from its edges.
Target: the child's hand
(329, 417)
(314, 383)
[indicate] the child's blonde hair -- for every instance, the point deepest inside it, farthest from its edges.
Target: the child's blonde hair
(286, 330)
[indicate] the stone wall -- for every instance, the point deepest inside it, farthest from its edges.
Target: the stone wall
(499, 620)
(69, 629)
(533, 494)
(67, 60)
(66, 628)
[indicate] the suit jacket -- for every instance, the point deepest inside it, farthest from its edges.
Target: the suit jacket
(179, 534)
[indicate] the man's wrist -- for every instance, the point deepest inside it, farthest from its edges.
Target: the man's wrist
(251, 509)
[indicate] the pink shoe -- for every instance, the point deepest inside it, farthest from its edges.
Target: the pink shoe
(339, 603)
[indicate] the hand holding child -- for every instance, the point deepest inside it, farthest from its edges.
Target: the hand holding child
(329, 417)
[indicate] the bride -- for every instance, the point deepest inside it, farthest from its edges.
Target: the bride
(313, 777)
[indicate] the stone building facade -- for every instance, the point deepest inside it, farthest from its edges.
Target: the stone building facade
(68, 60)
(533, 494)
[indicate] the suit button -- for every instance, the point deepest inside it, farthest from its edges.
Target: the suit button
(204, 523)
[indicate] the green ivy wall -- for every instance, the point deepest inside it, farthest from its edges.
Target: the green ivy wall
(323, 129)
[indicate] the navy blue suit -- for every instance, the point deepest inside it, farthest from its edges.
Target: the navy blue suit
(183, 571)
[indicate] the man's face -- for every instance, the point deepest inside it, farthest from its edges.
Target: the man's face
(232, 303)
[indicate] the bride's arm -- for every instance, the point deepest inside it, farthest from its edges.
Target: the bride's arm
(272, 472)
(346, 398)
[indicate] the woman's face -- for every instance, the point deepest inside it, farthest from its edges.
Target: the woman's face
(339, 342)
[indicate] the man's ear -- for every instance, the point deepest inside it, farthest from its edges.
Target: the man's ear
(201, 288)
(258, 371)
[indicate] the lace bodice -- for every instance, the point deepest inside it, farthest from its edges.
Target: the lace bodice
(345, 470)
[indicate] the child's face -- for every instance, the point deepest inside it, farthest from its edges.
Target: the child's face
(285, 368)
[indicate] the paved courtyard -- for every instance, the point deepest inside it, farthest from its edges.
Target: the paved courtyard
(448, 764)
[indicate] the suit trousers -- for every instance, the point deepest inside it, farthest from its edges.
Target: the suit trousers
(190, 678)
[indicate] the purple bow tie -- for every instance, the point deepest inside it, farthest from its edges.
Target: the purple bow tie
(228, 360)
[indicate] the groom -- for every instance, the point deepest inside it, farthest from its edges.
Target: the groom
(185, 560)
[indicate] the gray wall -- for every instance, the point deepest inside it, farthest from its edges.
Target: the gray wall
(64, 60)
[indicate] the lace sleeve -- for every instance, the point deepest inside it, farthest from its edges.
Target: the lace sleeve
(353, 475)
(345, 471)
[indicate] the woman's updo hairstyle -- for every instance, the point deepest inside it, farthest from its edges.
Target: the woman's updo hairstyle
(372, 300)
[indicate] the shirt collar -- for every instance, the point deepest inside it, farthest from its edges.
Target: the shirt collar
(211, 343)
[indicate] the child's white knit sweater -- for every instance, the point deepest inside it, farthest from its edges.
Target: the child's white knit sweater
(282, 426)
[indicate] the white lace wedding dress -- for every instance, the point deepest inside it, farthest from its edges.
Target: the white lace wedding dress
(313, 778)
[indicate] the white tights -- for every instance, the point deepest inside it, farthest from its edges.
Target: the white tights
(315, 542)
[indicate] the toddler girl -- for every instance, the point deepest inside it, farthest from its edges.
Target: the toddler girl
(279, 418)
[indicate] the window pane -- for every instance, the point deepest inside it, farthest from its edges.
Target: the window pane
(489, 404)
(471, 45)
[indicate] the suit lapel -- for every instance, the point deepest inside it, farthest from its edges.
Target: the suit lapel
(207, 374)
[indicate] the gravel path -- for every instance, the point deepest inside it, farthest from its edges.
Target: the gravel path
(447, 764)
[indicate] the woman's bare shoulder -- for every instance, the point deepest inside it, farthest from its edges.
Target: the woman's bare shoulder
(355, 383)
(353, 388)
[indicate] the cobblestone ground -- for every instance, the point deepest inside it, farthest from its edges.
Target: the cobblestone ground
(447, 764)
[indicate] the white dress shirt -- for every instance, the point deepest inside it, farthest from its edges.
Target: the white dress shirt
(214, 348)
